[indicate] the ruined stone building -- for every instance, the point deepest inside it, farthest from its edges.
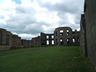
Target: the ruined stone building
(43, 40)
(16, 42)
(26, 43)
(88, 30)
(5, 39)
(9, 41)
(76, 38)
(47, 39)
(62, 36)
(36, 41)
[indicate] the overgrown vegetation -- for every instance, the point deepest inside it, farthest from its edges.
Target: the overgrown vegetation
(51, 59)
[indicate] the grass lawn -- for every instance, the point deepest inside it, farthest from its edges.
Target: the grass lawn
(51, 59)
(17, 51)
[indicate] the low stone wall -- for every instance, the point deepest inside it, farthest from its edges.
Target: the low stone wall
(4, 48)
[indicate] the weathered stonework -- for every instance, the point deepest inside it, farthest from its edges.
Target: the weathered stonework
(64, 36)
(26, 43)
(43, 40)
(88, 30)
(36, 42)
(47, 39)
(5, 39)
(16, 42)
(76, 38)
(83, 40)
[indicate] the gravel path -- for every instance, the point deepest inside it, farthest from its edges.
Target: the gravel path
(26, 51)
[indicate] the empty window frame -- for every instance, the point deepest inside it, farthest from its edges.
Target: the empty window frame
(61, 34)
(67, 40)
(73, 40)
(67, 31)
(52, 36)
(47, 42)
(61, 31)
(61, 40)
(47, 37)
(52, 42)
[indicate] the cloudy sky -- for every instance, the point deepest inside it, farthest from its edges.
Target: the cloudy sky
(27, 18)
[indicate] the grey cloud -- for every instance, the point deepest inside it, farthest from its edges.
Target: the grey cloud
(26, 22)
(2, 17)
(20, 10)
(71, 6)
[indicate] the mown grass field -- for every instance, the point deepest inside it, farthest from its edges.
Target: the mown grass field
(51, 59)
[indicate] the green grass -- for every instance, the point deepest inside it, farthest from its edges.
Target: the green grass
(53, 59)
(16, 51)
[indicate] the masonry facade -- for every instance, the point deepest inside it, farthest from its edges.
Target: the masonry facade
(66, 37)
(26, 43)
(5, 39)
(88, 30)
(47, 39)
(62, 36)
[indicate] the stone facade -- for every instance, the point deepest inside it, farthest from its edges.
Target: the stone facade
(47, 39)
(36, 41)
(5, 39)
(26, 43)
(16, 42)
(43, 40)
(64, 36)
(88, 30)
(76, 38)
(83, 40)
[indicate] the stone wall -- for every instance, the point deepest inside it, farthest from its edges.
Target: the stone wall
(5, 39)
(9, 41)
(36, 41)
(76, 38)
(4, 47)
(43, 40)
(88, 30)
(64, 36)
(47, 39)
(16, 42)
(26, 43)
(83, 41)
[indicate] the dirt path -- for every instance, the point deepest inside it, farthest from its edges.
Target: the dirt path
(26, 51)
